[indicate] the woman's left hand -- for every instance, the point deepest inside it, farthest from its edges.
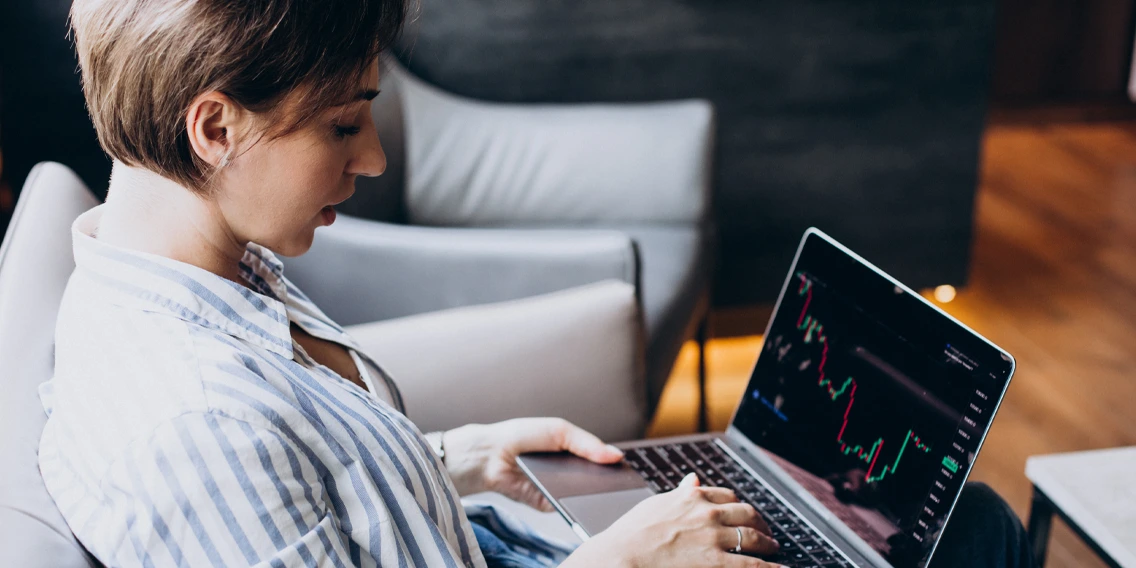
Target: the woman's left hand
(483, 457)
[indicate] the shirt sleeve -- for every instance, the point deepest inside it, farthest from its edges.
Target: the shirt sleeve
(211, 490)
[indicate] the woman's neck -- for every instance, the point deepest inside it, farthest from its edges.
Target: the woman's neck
(149, 213)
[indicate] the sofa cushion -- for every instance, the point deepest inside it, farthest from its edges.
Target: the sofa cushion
(675, 264)
(35, 263)
(571, 354)
(475, 163)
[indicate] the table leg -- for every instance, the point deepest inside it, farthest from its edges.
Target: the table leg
(703, 404)
(1040, 521)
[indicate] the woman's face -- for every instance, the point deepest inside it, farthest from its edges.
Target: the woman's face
(279, 190)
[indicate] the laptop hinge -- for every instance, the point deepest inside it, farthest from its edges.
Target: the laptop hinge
(808, 506)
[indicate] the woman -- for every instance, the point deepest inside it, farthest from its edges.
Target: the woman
(203, 410)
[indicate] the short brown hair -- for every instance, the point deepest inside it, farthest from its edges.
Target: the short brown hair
(144, 62)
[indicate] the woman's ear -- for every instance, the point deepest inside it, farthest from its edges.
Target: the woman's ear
(211, 121)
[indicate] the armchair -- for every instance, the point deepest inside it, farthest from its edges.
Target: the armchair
(575, 353)
(487, 202)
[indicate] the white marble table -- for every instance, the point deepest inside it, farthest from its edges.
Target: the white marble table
(1094, 493)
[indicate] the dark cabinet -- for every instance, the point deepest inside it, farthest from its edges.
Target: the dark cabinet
(1063, 51)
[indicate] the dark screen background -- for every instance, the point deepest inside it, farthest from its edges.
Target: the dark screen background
(866, 386)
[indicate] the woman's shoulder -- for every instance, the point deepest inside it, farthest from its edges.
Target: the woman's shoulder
(112, 355)
(122, 374)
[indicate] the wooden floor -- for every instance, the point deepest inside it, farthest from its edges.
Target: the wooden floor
(1053, 281)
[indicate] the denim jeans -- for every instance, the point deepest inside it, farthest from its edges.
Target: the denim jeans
(983, 533)
(497, 554)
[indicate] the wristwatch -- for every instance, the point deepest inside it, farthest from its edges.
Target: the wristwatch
(435, 439)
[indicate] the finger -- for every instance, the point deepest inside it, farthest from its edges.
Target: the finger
(727, 560)
(587, 445)
(537, 502)
(531, 496)
(719, 495)
(761, 525)
(743, 515)
(739, 515)
(691, 480)
(542, 505)
(753, 542)
(555, 434)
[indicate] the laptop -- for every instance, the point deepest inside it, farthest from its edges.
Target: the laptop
(860, 423)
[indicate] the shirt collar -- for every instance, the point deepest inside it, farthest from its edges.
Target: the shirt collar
(157, 284)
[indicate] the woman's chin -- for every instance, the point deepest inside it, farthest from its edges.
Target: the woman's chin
(296, 246)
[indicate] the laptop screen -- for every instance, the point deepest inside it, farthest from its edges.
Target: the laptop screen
(871, 399)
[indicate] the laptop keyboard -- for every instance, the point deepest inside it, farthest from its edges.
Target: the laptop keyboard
(664, 466)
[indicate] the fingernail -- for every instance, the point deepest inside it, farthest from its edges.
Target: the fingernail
(690, 479)
(615, 449)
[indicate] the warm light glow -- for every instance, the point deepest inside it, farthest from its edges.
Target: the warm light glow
(944, 293)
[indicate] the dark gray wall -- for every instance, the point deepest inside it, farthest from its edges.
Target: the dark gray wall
(42, 112)
(862, 118)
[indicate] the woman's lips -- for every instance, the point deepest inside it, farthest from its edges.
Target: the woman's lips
(328, 214)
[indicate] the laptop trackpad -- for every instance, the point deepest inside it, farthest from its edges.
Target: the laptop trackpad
(598, 511)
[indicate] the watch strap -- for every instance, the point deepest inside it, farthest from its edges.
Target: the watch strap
(436, 444)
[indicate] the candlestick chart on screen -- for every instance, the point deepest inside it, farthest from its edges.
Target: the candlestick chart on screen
(812, 330)
(868, 420)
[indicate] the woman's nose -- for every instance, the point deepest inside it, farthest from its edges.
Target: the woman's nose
(371, 160)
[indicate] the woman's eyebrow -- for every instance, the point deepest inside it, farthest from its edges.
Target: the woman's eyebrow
(364, 95)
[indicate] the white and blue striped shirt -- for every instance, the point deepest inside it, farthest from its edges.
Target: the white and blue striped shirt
(187, 428)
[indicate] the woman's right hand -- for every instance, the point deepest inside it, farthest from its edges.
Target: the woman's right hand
(689, 526)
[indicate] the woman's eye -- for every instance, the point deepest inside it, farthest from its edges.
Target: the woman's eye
(345, 131)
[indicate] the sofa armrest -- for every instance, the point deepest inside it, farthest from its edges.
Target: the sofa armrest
(475, 163)
(575, 354)
(362, 271)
